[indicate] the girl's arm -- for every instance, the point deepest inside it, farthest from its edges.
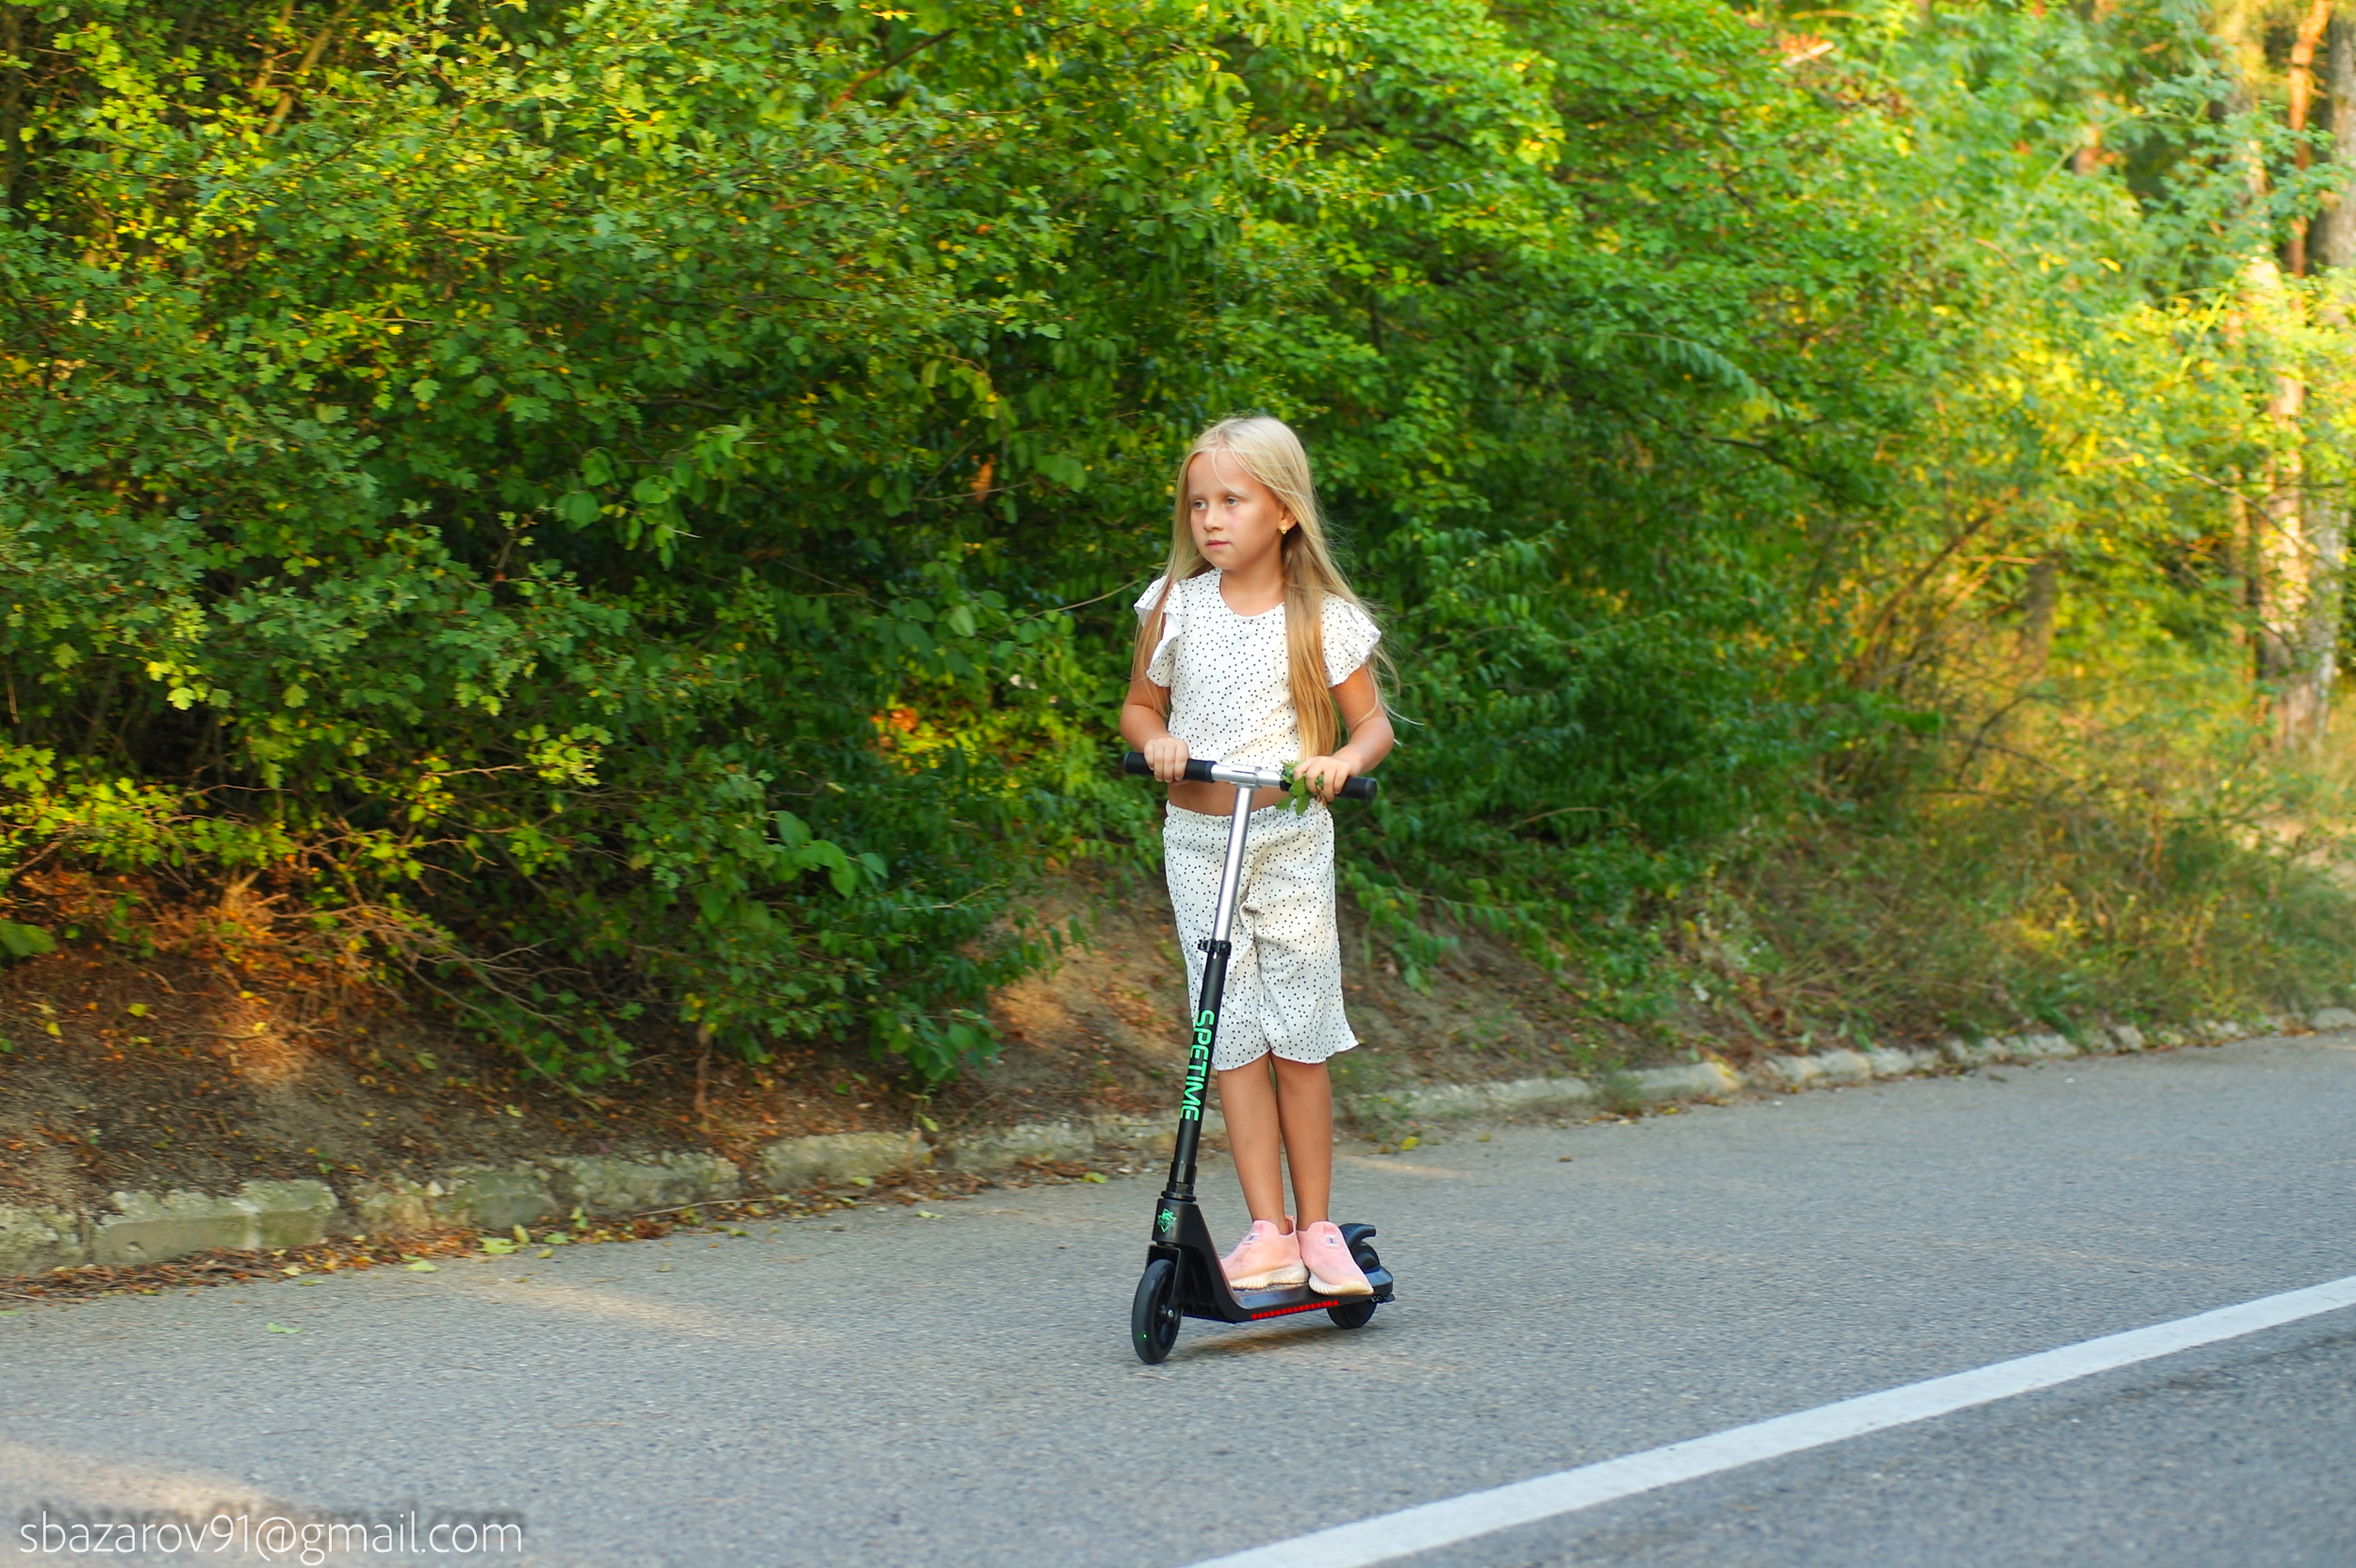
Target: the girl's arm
(1144, 723)
(1370, 736)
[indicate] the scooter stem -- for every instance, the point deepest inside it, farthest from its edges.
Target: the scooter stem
(1216, 952)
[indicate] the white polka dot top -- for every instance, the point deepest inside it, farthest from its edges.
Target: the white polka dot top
(1229, 698)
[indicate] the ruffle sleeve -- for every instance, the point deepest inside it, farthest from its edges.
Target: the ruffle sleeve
(1349, 638)
(1162, 668)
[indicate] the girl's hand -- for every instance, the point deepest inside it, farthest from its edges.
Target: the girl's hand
(1326, 774)
(1167, 755)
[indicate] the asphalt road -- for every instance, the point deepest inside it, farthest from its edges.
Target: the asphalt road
(959, 1389)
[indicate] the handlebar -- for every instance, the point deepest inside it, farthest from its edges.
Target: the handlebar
(1201, 772)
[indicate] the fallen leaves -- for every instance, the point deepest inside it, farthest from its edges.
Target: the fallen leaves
(409, 1253)
(89, 1279)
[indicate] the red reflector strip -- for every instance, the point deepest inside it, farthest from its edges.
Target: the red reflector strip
(1286, 1312)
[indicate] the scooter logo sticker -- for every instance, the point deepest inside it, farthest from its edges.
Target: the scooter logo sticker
(1166, 1221)
(1199, 1065)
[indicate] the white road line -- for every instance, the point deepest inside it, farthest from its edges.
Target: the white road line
(1443, 1523)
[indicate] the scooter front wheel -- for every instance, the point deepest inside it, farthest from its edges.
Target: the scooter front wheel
(1153, 1316)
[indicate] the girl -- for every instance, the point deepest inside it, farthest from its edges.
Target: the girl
(1247, 649)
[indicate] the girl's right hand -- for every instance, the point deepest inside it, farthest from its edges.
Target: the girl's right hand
(1167, 755)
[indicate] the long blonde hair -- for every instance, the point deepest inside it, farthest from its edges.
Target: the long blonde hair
(1271, 453)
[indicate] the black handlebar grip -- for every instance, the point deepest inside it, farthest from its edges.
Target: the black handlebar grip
(1198, 771)
(1134, 763)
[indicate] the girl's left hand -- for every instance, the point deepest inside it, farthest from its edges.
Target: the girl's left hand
(1326, 774)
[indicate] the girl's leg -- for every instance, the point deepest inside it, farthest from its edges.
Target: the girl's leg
(1255, 1135)
(1269, 1256)
(1304, 1102)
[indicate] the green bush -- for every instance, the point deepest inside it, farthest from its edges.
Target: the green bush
(630, 507)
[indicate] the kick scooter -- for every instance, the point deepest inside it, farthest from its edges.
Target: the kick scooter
(1182, 1278)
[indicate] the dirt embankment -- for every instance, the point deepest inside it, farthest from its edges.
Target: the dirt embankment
(180, 1060)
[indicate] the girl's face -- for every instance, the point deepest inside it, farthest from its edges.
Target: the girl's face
(1237, 522)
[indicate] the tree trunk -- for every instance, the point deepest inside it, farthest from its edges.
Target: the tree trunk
(2307, 700)
(2335, 236)
(2311, 654)
(2302, 86)
(2285, 563)
(2297, 532)
(2298, 540)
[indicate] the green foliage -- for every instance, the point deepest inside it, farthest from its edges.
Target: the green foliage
(631, 505)
(1994, 914)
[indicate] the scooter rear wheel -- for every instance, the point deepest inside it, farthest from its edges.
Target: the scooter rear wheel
(1357, 1315)
(1153, 1316)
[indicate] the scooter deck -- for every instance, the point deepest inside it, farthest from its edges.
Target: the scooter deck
(1182, 1237)
(1251, 1306)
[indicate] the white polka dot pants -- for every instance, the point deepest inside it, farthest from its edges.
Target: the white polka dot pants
(1285, 979)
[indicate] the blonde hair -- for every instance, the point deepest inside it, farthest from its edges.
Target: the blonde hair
(1271, 453)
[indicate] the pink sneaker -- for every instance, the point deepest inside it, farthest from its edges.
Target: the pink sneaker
(1332, 1270)
(1266, 1257)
